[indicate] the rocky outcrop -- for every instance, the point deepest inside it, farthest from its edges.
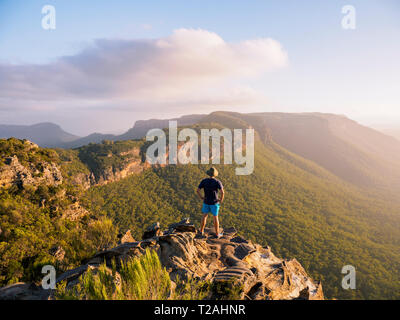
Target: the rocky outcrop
(24, 172)
(132, 164)
(12, 172)
(227, 261)
(127, 237)
(83, 180)
(126, 163)
(74, 212)
(23, 291)
(58, 253)
(118, 166)
(111, 174)
(152, 231)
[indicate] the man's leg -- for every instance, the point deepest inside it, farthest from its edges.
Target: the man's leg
(203, 222)
(215, 211)
(216, 225)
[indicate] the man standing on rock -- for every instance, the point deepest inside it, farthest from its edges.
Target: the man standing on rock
(211, 202)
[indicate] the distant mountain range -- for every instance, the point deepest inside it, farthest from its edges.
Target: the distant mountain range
(49, 135)
(353, 152)
(44, 134)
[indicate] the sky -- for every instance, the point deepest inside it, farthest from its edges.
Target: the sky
(109, 63)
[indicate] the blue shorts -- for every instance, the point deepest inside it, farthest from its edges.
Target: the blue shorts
(213, 208)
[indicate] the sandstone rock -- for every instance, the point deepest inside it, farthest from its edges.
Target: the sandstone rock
(243, 250)
(72, 274)
(123, 252)
(23, 291)
(228, 262)
(57, 252)
(239, 240)
(132, 164)
(181, 226)
(14, 173)
(152, 231)
(127, 237)
(83, 180)
(74, 212)
(231, 232)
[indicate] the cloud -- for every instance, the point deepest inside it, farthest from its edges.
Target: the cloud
(189, 67)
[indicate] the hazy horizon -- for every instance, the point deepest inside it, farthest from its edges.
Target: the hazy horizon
(392, 129)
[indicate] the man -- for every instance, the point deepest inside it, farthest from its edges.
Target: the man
(211, 202)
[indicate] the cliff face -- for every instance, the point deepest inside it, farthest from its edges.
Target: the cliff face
(109, 162)
(228, 261)
(13, 172)
(119, 166)
(110, 174)
(48, 172)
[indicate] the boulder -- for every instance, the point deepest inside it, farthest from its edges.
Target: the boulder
(152, 231)
(23, 291)
(127, 237)
(181, 226)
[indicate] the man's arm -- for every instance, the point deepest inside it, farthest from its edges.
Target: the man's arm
(198, 191)
(221, 199)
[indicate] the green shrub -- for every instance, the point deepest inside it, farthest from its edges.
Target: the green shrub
(140, 278)
(145, 278)
(227, 290)
(192, 289)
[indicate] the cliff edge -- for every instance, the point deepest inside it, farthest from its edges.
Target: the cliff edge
(230, 260)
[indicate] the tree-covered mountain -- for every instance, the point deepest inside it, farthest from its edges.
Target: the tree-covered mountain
(355, 153)
(138, 131)
(296, 204)
(41, 218)
(91, 138)
(141, 127)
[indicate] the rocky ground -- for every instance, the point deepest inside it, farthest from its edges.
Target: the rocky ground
(185, 253)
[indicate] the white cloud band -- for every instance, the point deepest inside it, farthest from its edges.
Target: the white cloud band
(190, 66)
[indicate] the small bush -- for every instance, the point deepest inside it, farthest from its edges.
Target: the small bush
(140, 278)
(145, 278)
(227, 290)
(192, 289)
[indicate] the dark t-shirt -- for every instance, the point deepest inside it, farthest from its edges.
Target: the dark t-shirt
(211, 187)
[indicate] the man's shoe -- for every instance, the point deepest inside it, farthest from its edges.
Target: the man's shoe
(200, 234)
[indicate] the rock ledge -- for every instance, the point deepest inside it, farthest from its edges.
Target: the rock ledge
(184, 253)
